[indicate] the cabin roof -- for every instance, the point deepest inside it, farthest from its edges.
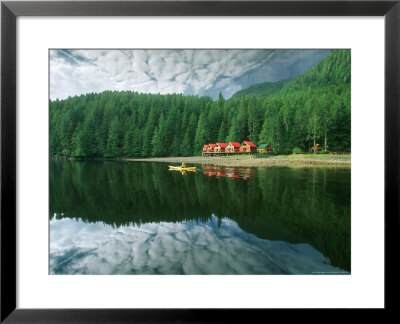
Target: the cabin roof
(235, 144)
(222, 145)
(263, 146)
(205, 145)
(211, 145)
(250, 143)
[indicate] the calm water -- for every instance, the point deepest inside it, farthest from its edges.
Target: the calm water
(140, 218)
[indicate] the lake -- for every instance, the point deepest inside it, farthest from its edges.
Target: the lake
(140, 218)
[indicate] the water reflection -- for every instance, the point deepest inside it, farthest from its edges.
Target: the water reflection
(227, 172)
(175, 248)
(302, 210)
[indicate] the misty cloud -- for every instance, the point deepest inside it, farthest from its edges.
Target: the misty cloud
(196, 72)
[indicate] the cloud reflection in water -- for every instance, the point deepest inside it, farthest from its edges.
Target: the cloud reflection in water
(175, 248)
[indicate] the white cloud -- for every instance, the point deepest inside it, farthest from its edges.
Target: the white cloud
(198, 72)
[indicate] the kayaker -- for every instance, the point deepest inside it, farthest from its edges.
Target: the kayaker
(183, 165)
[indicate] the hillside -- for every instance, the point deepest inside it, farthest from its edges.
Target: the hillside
(334, 70)
(261, 89)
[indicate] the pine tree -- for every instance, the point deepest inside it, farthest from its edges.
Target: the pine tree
(201, 136)
(148, 133)
(238, 130)
(159, 147)
(114, 143)
(187, 145)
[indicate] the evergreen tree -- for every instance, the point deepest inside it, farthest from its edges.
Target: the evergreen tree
(158, 144)
(201, 136)
(148, 133)
(114, 143)
(187, 145)
(238, 130)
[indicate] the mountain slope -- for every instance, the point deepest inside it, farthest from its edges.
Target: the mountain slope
(334, 69)
(261, 89)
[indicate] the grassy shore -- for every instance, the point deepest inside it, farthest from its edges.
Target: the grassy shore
(295, 160)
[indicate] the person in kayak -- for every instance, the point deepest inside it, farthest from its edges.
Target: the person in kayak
(183, 165)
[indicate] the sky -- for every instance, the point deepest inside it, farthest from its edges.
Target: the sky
(191, 72)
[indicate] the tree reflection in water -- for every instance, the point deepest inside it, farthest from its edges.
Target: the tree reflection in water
(299, 207)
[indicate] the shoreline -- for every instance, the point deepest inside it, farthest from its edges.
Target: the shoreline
(251, 161)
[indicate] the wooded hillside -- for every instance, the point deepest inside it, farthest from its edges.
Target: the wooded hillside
(261, 89)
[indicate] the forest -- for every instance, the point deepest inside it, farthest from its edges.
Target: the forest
(314, 106)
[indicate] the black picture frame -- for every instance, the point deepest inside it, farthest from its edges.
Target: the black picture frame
(10, 10)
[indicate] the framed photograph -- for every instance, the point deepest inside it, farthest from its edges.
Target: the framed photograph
(162, 159)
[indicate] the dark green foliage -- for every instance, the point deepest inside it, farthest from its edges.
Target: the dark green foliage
(114, 143)
(238, 130)
(187, 145)
(201, 136)
(297, 150)
(312, 107)
(158, 146)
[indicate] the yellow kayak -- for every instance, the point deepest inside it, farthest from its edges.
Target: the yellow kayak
(182, 169)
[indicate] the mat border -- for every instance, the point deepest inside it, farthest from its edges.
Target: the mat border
(10, 10)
